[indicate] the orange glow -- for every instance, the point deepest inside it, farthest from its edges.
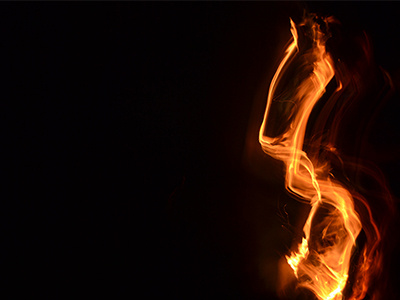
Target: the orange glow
(322, 261)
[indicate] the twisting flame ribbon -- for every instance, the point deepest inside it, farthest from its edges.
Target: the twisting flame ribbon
(321, 263)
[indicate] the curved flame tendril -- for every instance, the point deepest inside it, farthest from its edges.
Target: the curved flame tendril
(322, 260)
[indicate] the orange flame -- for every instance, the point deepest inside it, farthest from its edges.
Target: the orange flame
(322, 260)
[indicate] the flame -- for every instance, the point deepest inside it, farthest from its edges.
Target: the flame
(322, 260)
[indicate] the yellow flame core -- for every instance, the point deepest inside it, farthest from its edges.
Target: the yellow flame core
(322, 260)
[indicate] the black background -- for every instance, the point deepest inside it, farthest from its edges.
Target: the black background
(129, 160)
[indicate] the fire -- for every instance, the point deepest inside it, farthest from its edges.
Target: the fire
(322, 260)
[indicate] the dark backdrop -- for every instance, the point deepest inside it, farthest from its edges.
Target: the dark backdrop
(129, 161)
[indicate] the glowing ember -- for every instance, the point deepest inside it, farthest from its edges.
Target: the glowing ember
(321, 262)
